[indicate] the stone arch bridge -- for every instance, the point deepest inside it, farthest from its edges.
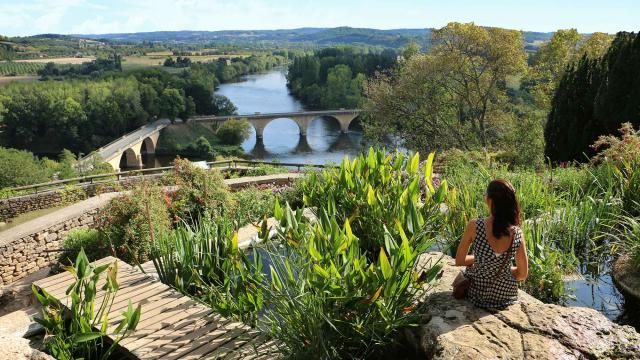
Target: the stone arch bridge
(303, 119)
(128, 150)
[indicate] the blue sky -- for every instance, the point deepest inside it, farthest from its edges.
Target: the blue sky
(28, 17)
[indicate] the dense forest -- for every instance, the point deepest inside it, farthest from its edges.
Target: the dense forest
(593, 98)
(333, 77)
(90, 108)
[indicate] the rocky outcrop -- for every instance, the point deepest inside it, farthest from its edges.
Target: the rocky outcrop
(17, 348)
(627, 277)
(455, 329)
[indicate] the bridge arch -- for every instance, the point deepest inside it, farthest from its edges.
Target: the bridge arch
(261, 125)
(129, 159)
(148, 146)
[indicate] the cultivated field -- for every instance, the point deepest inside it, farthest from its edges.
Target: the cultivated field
(21, 78)
(61, 61)
(158, 58)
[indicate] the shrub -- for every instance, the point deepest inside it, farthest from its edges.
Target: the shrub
(374, 192)
(198, 191)
(234, 131)
(78, 239)
(328, 299)
(252, 205)
(129, 224)
(73, 334)
(201, 148)
(19, 167)
(264, 169)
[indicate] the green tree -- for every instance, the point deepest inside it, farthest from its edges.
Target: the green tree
(452, 96)
(234, 131)
(19, 167)
(595, 97)
(173, 103)
(222, 106)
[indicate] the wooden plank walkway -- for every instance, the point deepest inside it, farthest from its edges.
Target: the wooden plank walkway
(172, 325)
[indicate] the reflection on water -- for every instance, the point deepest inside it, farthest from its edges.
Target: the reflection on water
(267, 93)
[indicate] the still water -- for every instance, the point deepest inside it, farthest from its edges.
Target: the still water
(268, 93)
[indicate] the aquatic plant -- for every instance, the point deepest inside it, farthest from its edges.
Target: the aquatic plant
(80, 332)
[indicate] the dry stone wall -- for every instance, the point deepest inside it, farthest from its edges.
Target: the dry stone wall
(30, 253)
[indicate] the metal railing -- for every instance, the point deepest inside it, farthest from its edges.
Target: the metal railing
(118, 176)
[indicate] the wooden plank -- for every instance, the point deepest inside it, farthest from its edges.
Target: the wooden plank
(171, 326)
(166, 330)
(227, 348)
(65, 275)
(194, 339)
(260, 346)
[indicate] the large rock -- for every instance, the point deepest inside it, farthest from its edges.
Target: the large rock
(455, 329)
(17, 348)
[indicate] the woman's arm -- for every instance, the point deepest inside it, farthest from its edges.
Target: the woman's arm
(521, 270)
(462, 257)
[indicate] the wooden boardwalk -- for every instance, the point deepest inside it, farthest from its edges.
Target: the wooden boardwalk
(172, 325)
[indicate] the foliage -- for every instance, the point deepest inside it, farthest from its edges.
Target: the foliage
(19, 167)
(80, 333)
(329, 299)
(265, 169)
(452, 96)
(375, 191)
(252, 205)
(130, 223)
(204, 261)
(200, 148)
(594, 97)
(199, 191)
(618, 149)
(626, 236)
(234, 131)
(549, 63)
(86, 240)
(222, 106)
(333, 77)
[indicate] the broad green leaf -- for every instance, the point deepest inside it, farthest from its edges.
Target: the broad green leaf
(87, 336)
(442, 192)
(414, 163)
(371, 196)
(385, 266)
(322, 272)
(277, 211)
(428, 172)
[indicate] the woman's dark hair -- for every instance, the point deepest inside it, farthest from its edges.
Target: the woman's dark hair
(505, 208)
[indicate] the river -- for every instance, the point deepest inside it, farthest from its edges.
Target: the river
(267, 93)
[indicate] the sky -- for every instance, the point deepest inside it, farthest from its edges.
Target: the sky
(30, 17)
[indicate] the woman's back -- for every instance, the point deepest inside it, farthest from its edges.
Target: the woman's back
(493, 285)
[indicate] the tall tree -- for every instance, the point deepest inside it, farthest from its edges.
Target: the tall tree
(452, 96)
(594, 98)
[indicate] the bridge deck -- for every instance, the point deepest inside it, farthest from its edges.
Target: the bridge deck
(172, 326)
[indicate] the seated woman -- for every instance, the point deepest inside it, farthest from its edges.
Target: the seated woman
(497, 240)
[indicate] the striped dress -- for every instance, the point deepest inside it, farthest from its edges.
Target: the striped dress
(489, 289)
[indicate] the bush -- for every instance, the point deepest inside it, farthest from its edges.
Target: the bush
(234, 131)
(79, 333)
(376, 191)
(19, 168)
(199, 191)
(130, 223)
(78, 239)
(200, 148)
(252, 205)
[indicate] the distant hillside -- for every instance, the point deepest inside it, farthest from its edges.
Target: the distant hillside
(394, 38)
